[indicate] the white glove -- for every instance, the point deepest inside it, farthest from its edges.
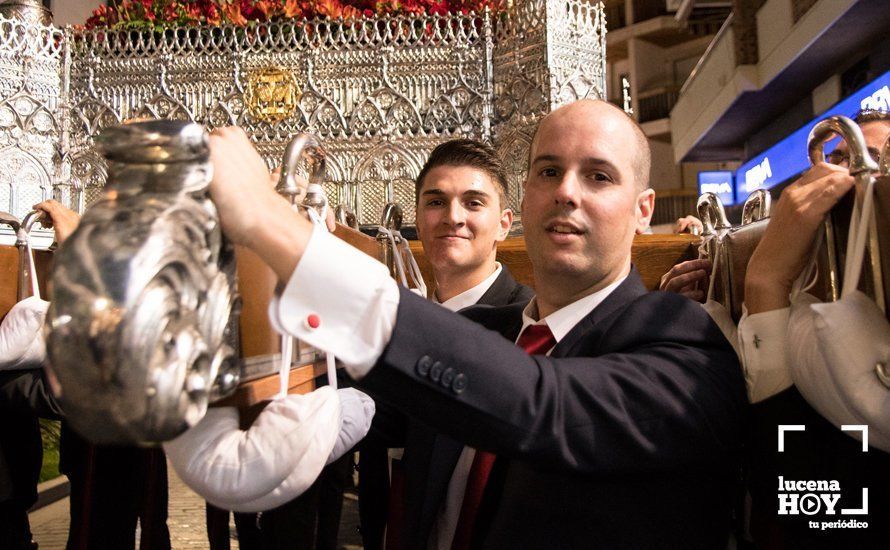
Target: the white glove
(271, 463)
(356, 413)
(21, 335)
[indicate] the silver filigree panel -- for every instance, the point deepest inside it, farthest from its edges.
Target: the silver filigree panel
(381, 93)
(30, 130)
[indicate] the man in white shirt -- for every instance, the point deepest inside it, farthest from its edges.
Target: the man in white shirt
(822, 450)
(624, 427)
(462, 215)
(782, 255)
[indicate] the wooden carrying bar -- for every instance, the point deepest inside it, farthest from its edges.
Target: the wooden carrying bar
(9, 275)
(652, 254)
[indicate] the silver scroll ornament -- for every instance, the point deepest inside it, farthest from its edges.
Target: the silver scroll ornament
(140, 321)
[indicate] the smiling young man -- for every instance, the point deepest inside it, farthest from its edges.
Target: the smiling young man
(462, 215)
(620, 421)
(461, 218)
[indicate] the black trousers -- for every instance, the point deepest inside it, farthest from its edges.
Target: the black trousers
(21, 454)
(111, 489)
(373, 492)
(310, 521)
(15, 530)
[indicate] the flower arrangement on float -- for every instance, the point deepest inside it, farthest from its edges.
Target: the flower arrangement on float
(160, 14)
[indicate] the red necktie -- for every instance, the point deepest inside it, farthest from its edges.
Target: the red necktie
(536, 340)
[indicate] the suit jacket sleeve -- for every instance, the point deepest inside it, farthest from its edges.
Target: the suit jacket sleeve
(28, 391)
(663, 388)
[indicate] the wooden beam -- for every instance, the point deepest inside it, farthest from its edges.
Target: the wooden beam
(9, 275)
(653, 256)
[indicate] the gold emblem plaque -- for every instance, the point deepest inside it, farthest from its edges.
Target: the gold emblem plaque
(272, 94)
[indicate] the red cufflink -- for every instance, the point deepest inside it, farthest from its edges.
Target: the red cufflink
(312, 321)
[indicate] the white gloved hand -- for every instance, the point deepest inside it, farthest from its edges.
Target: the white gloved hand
(265, 466)
(356, 413)
(21, 335)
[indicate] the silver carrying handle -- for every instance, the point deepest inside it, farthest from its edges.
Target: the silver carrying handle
(713, 218)
(344, 215)
(712, 214)
(8, 219)
(396, 252)
(757, 206)
(863, 169)
(392, 217)
(28, 285)
(861, 163)
(301, 146)
(388, 234)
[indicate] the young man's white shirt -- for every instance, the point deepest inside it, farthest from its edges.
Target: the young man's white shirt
(469, 297)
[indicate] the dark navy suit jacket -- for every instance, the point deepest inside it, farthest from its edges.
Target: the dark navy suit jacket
(628, 435)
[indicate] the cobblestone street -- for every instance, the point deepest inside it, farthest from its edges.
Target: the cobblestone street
(185, 521)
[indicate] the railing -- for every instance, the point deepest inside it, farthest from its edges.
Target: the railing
(800, 7)
(707, 21)
(724, 29)
(674, 204)
(616, 17)
(648, 9)
(656, 104)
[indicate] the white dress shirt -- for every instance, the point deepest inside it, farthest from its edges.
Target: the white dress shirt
(356, 302)
(762, 352)
(469, 297)
(563, 320)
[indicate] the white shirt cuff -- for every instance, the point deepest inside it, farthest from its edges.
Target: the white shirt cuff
(339, 300)
(762, 346)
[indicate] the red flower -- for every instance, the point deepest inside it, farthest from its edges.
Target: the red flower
(350, 12)
(266, 7)
(330, 8)
(233, 15)
(212, 15)
(152, 13)
(292, 8)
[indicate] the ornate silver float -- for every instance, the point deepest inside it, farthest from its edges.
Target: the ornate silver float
(381, 92)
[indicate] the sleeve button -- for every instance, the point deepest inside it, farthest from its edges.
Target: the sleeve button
(436, 371)
(423, 365)
(447, 377)
(459, 384)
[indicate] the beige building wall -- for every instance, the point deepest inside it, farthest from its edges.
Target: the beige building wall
(657, 52)
(665, 173)
(73, 12)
